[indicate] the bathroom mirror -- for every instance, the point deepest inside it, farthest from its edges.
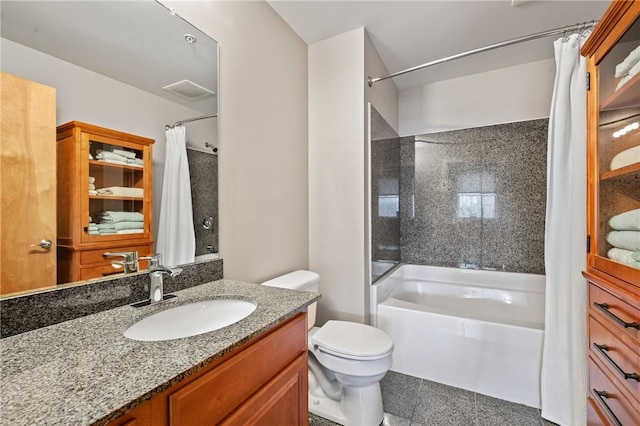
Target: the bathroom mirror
(110, 63)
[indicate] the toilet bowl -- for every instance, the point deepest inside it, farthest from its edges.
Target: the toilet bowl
(347, 360)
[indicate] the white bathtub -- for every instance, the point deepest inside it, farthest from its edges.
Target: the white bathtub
(207, 257)
(472, 329)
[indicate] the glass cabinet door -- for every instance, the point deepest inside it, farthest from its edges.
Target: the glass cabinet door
(115, 203)
(617, 174)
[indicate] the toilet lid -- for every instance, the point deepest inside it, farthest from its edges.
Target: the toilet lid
(352, 339)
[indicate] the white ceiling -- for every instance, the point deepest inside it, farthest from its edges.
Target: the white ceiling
(410, 33)
(139, 43)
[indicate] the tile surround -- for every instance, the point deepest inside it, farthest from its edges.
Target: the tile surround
(203, 173)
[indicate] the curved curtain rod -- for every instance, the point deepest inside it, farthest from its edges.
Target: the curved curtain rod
(571, 28)
(181, 122)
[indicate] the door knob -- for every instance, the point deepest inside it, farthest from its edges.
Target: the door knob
(44, 243)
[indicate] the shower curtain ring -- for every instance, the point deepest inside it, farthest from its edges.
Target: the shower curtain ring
(564, 35)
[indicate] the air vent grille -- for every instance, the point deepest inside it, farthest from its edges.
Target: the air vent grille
(189, 90)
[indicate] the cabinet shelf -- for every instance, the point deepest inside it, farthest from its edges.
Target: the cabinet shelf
(114, 166)
(632, 171)
(628, 95)
(115, 197)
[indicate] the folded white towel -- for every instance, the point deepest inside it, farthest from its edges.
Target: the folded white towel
(119, 226)
(90, 156)
(94, 232)
(116, 216)
(130, 231)
(623, 68)
(632, 73)
(627, 221)
(626, 158)
(628, 240)
(92, 187)
(121, 191)
(92, 179)
(124, 153)
(135, 162)
(108, 155)
(93, 192)
(636, 255)
(93, 226)
(623, 256)
(108, 232)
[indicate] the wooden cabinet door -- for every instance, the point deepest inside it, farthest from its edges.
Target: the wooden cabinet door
(282, 401)
(28, 185)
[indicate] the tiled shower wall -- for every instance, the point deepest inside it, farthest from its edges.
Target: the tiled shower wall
(472, 198)
(203, 171)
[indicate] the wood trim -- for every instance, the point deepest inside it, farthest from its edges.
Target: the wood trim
(614, 285)
(103, 131)
(623, 171)
(624, 21)
(607, 24)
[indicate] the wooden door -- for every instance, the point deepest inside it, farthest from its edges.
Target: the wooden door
(27, 186)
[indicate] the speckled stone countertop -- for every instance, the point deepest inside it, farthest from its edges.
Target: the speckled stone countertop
(84, 371)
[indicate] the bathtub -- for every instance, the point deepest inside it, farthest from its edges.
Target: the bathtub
(472, 329)
(207, 257)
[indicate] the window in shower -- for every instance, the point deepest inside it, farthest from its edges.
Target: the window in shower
(476, 205)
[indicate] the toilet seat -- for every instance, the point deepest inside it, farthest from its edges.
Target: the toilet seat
(352, 340)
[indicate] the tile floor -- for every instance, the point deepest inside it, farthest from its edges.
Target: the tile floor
(410, 401)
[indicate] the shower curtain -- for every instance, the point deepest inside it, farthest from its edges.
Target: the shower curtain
(176, 236)
(564, 359)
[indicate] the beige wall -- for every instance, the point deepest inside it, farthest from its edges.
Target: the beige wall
(518, 93)
(263, 137)
(338, 168)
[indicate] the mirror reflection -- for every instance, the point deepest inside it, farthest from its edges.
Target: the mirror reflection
(98, 101)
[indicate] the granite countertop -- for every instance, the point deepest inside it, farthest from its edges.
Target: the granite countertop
(84, 371)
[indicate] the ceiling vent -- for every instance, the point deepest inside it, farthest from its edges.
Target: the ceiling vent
(188, 90)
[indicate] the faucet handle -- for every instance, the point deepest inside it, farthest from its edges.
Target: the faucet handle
(129, 260)
(155, 260)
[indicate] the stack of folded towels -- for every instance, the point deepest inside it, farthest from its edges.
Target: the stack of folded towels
(628, 68)
(116, 222)
(625, 238)
(119, 156)
(92, 186)
(93, 227)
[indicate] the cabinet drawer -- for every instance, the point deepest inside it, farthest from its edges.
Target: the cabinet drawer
(88, 257)
(101, 271)
(593, 416)
(609, 399)
(617, 356)
(604, 304)
(215, 394)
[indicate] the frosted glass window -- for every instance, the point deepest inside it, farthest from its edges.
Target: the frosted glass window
(476, 205)
(388, 205)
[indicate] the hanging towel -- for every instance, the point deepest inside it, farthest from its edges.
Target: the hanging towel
(628, 240)
(124, 153)
(116, 216)
(623, 68)
(623, 256)
(626, 158)
(627, 221)
(121, 191)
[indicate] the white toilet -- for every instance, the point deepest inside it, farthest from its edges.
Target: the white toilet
(347, 360)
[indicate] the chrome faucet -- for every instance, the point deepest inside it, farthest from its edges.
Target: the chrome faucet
(156, 271)
(129, 261)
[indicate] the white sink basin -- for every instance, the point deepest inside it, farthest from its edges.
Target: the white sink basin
(190, 320)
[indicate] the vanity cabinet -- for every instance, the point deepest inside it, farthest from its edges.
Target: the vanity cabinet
(613, 216)
(262, 382)
(105, 199)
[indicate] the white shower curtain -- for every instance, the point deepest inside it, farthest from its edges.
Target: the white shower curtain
(176, 236)
(564, 358)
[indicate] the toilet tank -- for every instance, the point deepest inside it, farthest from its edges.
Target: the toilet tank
(299, 280)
